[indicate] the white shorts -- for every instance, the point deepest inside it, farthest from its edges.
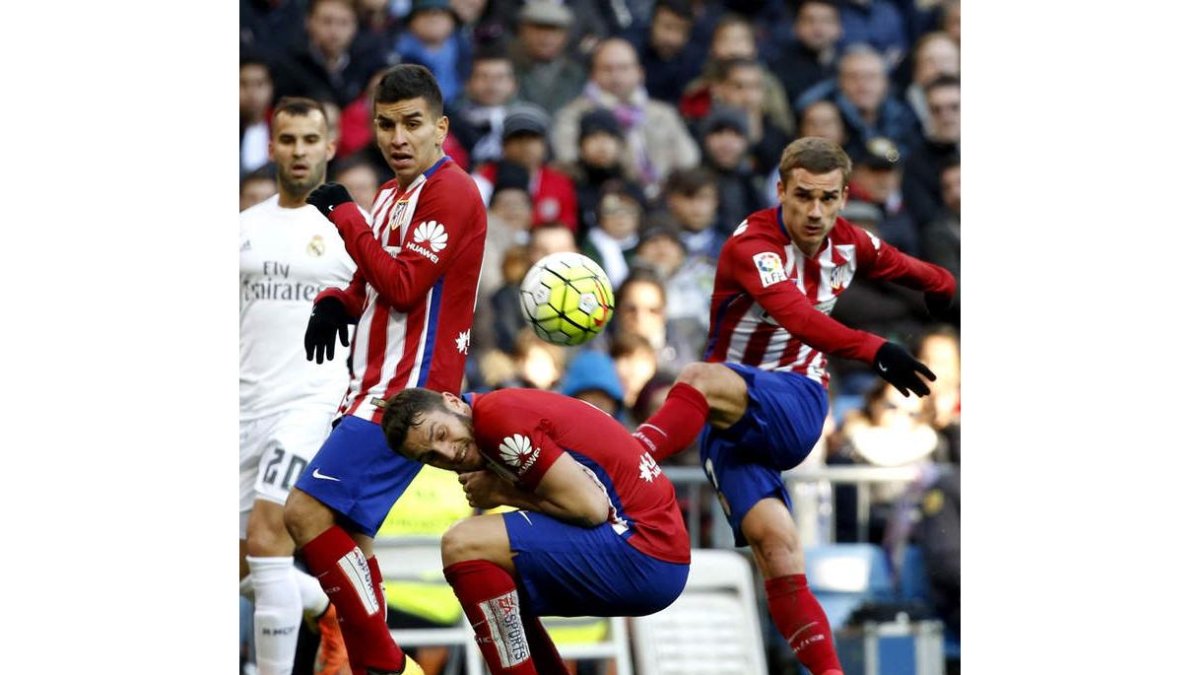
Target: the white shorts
(274, 452)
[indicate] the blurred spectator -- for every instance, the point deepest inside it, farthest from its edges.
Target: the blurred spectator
(691, 198)
(877, 174)
(861, 95)
(688, 280)
(939, 349)
(890, 430)
(812, 56)
(546, 74)
(592, 377)
(505, 303)
(539, 364)
(257, 186)
(333, 62)
(635, 360)
(733, 38)
(922, 177)
(429, 38)
(941, 239)
(477, 116)
(738, 83)
(271, 27)
(656, 140)
(360, 177)
(510, 212)
(550, 238)
(666, 50)
(613, 241)
(939, 536)
(523, 142)
(935, 55)
(255, 93)
(824, 120)
(952, 19)
(375, 17)
(877, 23)
(726, 143)
(601, 147)
(641, 309)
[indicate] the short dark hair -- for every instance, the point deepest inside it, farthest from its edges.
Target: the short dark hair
(312, 6)
(405, 410)
(944, 81)
(406, 81)
(680, 8)
(688, 182)
(723, 68)
(298, 106)
(815, 154)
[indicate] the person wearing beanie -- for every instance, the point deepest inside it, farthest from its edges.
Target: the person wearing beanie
(601, 146)
(592, 377)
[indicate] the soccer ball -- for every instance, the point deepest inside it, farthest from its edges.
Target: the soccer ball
(566, 298)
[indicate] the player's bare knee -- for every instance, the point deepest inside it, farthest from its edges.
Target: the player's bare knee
(305, 517)
(475, 539)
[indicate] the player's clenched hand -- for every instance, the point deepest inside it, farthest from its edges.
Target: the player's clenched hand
(484, 489)
(897, 366)
(328, 319)
(328, 197)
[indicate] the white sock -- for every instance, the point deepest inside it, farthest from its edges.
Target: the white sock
(277, 613)
(312, 596)
(246, 589)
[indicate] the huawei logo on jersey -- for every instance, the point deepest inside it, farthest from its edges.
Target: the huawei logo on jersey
(519, 453)
(431, 231)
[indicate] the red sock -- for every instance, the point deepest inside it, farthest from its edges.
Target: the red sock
(676, 424)
(545, 655)
(489, 597)
(340, 566)
(799, 618)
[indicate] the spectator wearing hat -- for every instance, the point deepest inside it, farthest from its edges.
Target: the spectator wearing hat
(429, 38)
(255, 93)
(860, 93)
(656, 140)
(601, 147)
(523, 142)
(725, 139)
(876, 177)
(592, 376)
(877, 23)
(477, 115)
(546, 74)
(335, 61)
(614, 239)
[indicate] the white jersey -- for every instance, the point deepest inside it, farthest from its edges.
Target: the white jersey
(287, 257)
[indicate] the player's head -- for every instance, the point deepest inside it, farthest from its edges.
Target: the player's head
(409, 125)
(813, 183)
(433, 429)
(300, 145)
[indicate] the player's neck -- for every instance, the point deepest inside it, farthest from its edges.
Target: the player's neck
(404, 187)
(288, 200)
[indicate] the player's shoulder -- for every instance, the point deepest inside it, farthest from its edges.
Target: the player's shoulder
(265, 208)
(846, 232)
(756, 229)
(451, 176)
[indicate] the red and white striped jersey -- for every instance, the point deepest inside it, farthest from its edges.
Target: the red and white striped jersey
(771, 305)
(415, 287)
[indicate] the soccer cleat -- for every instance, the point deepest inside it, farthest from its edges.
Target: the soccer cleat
(332, 658)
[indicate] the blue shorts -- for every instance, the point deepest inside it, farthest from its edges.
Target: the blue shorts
(357, 475)
(783, 421)
(567, 570)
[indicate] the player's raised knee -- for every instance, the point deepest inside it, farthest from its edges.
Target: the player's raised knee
(478, 538)
(305, 517)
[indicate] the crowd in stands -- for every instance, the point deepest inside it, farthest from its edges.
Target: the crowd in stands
(641, 133)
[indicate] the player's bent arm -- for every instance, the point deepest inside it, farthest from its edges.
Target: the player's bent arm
(792, 310)
(571, 493)
(892, 265)
(404, 280)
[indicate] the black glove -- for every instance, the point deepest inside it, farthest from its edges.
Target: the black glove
(328, 318)
(897, 366)
(328, 197)
(940, 307)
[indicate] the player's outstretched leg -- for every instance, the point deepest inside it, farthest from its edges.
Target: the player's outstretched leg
(794, 610)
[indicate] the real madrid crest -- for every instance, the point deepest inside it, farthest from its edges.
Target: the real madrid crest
(316, 246)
